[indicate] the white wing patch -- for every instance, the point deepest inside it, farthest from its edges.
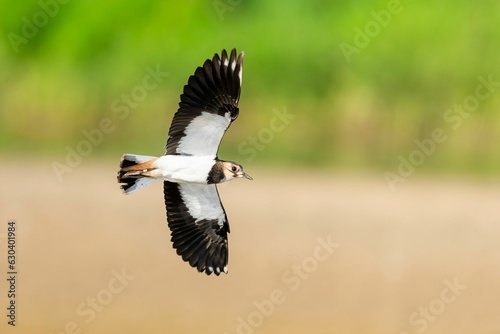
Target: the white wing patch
(202, 202)
(203, 134)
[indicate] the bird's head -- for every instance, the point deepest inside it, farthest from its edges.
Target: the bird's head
(232, 170)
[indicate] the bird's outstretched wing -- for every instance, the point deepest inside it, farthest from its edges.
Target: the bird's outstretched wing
(208, 106)
(198, 225)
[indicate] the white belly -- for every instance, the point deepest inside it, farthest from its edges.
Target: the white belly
(184, 168)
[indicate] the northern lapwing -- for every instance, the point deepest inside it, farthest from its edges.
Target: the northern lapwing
(190, 168)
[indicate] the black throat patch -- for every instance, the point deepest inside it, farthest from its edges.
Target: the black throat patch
(216, 174)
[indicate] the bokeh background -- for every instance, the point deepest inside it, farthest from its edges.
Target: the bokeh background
(335, 96)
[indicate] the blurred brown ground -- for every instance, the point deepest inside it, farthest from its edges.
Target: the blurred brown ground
(396, 251)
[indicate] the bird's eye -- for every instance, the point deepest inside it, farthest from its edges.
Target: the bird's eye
(234, 168)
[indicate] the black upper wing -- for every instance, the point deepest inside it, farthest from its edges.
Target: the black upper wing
(208, 106)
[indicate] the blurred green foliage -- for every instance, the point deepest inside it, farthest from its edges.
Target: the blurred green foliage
(63, 65)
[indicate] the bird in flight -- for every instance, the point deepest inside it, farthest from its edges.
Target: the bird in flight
(190, 168)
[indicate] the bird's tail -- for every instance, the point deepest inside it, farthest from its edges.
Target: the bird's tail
(135, 172)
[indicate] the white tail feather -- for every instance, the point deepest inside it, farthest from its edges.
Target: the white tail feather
(136, 158)
(132, 167)
(139, 184)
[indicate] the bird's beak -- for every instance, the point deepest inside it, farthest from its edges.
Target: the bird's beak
(246, 176)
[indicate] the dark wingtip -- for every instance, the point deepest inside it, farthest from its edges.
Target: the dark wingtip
(232, 57)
